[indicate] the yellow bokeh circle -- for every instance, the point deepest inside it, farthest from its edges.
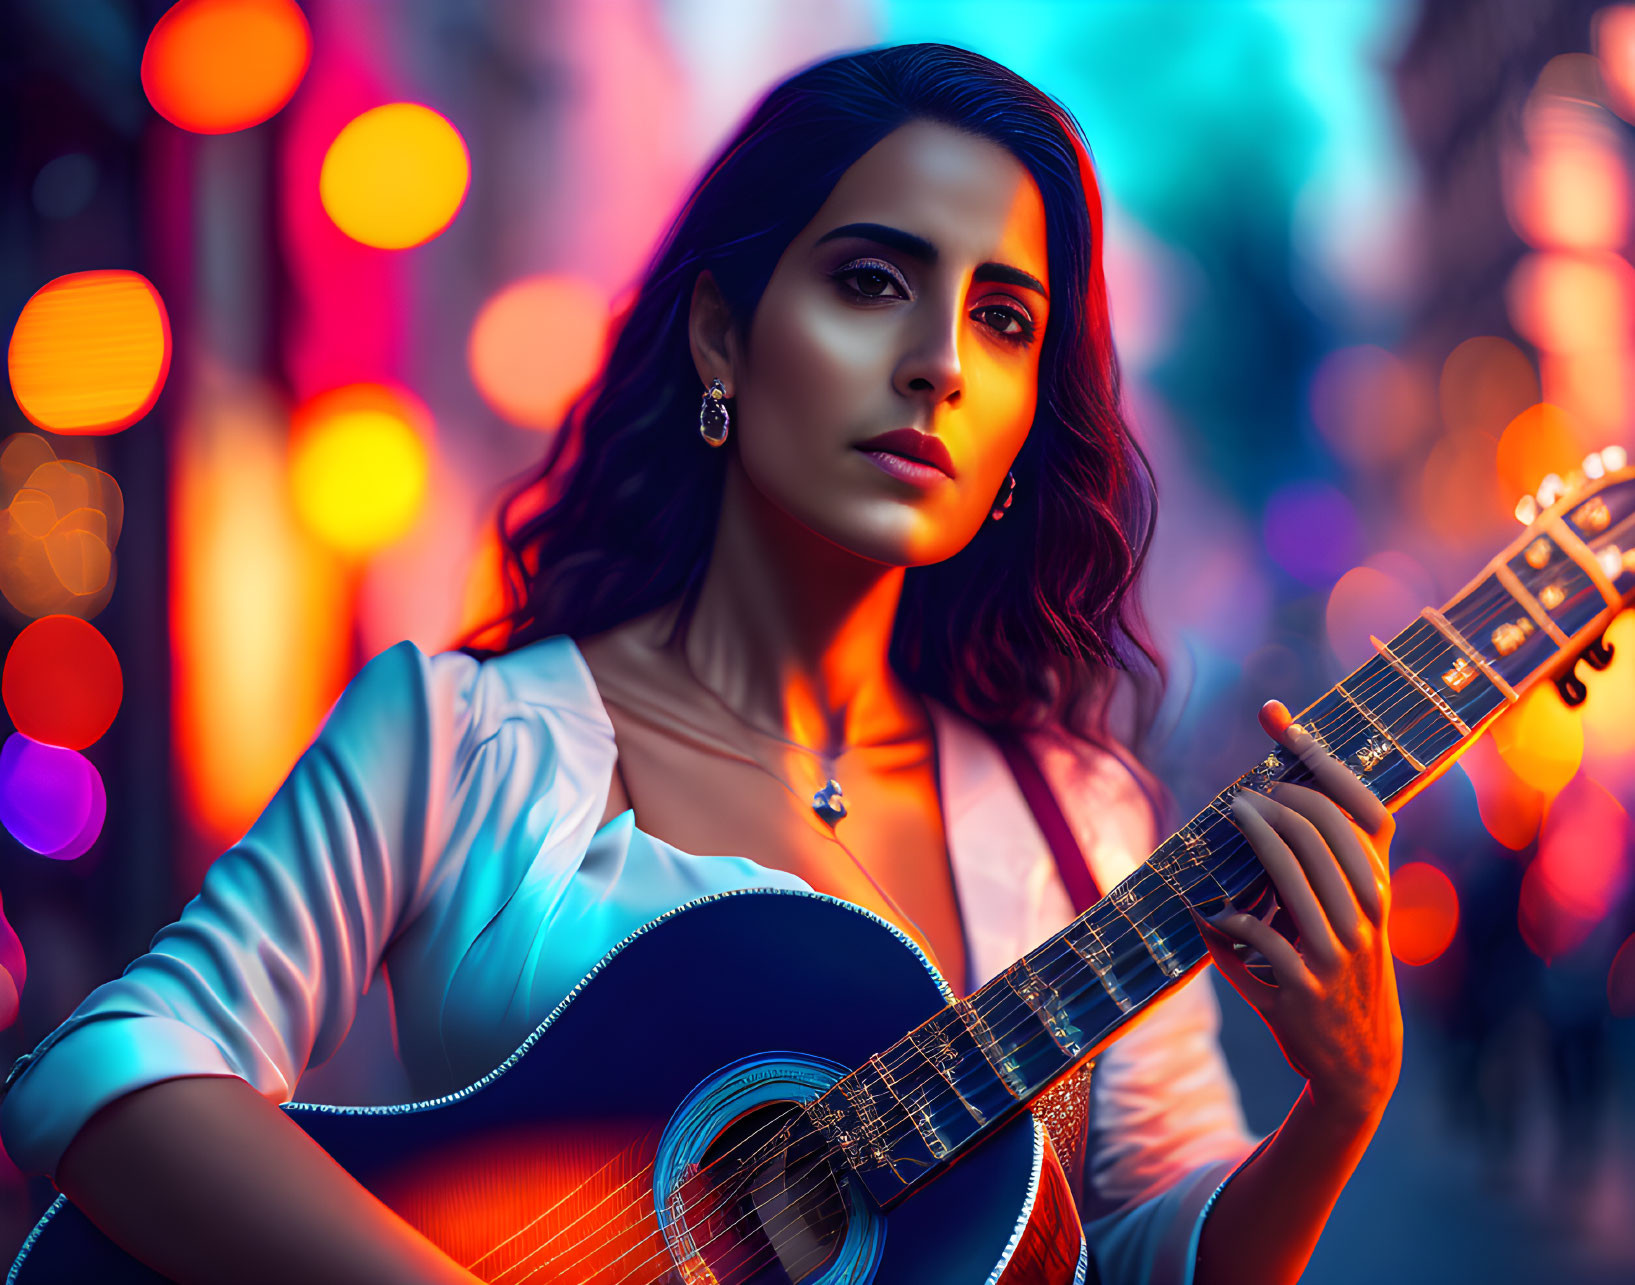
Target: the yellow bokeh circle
(358, 469)
(395, 176)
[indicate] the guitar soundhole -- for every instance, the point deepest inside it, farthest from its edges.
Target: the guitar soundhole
(774, 1212)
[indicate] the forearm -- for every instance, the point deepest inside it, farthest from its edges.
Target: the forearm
(206, 1181)
(1266, 1221)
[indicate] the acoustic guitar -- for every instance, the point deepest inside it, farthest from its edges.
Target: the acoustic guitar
(831, 1115)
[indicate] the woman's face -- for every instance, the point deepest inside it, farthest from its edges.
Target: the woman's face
(915, 299)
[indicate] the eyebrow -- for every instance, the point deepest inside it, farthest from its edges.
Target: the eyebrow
(917, 247)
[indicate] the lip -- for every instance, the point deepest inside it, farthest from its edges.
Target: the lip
(911, 444)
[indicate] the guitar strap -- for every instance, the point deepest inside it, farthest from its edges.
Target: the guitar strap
(1070, 861)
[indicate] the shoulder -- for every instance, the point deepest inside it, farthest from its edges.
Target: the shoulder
(1109, 799)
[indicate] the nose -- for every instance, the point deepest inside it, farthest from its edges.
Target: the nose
(931, 367)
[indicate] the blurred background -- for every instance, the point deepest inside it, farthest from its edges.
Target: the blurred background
(293, 292)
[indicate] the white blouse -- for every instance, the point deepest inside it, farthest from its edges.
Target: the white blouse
(434, 856)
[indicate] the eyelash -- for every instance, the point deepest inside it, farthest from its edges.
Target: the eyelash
(858, 267)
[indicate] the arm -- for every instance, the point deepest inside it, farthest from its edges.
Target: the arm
(259, 977)
(204, 1180)
(1332, 1007)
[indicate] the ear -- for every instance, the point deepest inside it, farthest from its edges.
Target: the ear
(712, 334)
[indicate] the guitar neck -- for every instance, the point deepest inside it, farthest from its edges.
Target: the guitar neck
(1399, 722)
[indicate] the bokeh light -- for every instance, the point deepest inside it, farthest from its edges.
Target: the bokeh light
(47, 794)
(1549, 928)
(80, 842)
(13, 970)
(1621, 980)
(1569, 189)
(1608, 713)
(1615, 48)
(90, 352)
(1542, 440)
(1486, 382)
(1541, 740)
(359, 466)
(1583, 850)
(215, 66)
(62, 683)
(1563, 302)
(534, 345)
(1310, 530)
(395, 176)
(58, 530)
(1511, 810)
(1370, 406)
(1367, 603)
(1424, 912)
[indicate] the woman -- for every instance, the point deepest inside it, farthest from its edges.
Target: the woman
(912, 526)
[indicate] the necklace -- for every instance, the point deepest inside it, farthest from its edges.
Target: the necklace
(829, 802)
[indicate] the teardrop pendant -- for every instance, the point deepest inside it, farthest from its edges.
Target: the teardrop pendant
(713, 419)
(828, 803)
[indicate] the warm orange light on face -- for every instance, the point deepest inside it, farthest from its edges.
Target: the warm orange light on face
(62, 683)
(1424, 912)
(214, 66)
(534, 345)
(90, 352)
(395, 176)
(358, 466)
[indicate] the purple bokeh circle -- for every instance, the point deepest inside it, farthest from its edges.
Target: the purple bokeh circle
(1311, 531)
(46, 793)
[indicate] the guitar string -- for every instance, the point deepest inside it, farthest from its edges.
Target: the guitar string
(1433, 641)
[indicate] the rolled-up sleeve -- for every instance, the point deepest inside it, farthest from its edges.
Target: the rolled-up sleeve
(1166, 1131)
(262, 972)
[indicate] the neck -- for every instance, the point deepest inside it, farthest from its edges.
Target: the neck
(792, 631)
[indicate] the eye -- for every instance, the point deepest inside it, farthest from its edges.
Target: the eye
(873, 279)
(1009, 323)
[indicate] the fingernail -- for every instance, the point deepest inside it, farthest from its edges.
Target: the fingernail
(1298, 736)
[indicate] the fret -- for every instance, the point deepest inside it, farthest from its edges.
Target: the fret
(1417, 721)
(1563, 591)
(1523, 598)
(942, 1052)
(1128, 903)
(940, 1116)
(1425, 689)
(1501, 630)
(1584, 558)
(1047, 1005)
(1374, 751)
(1451, 677)
(1334, 722)
(1000, 1056)
(1084, 937)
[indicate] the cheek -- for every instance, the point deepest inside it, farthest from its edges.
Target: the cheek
(814, 370)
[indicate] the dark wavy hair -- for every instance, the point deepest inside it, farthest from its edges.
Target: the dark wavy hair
(1037, 617)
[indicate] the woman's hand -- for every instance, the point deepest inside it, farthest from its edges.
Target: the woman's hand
(1333, 1006)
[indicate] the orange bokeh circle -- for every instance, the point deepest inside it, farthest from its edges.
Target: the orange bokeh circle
(535, 345)
(62, 684)
(1424, 912)
(90, 352)
(215, 66)
(395, 176)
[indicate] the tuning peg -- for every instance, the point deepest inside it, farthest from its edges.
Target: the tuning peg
(1526, 510)
(1572, 689)
(1614, 457)
(1550, 490)
(1598, 655)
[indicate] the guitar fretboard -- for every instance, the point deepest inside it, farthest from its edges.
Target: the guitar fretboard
(1398, 722)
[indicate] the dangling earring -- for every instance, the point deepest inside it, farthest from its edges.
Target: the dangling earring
(713, 419)
(1004, 502)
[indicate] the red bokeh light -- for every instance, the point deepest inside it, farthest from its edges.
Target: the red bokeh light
(216, 66)
(62, 683)
(1424, 912)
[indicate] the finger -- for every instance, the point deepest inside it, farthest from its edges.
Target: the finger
(1332, 776)
(1361, 865)
(1293, 888)
(1257, 992)
(1320, 858)
(1287, 965)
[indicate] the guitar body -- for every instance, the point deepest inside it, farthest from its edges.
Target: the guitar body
(587, 1156)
